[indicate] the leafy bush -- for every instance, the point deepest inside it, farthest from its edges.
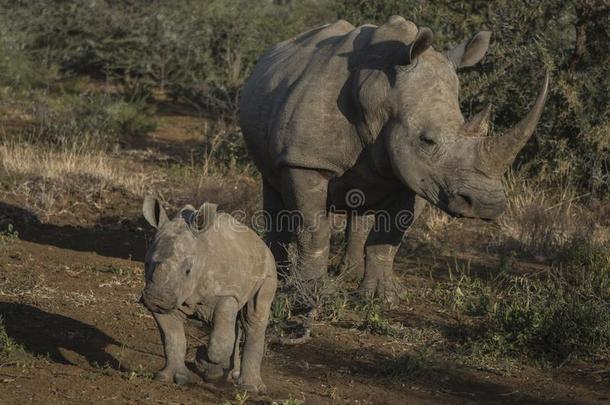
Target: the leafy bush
(89, 120)
(198, 51)
(202, 51)
(549, 317)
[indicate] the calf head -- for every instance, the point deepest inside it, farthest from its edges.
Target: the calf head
(409, 97)
(171, 270)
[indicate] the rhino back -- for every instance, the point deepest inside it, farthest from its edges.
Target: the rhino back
(233, 260)
(296, 108)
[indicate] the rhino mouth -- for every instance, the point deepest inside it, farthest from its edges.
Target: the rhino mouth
(464, 204)
(156, 302)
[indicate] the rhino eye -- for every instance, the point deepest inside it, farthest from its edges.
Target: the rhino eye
(427, 139)
(188, 271)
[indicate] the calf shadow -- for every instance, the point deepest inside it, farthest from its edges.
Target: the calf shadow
(44, 334)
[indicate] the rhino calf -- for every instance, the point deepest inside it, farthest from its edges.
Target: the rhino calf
(208, 264)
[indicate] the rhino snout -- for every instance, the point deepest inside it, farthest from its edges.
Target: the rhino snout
(158, 299)
(467, 204)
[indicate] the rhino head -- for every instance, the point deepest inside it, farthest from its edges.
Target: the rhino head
(171, 269)
(408, 93)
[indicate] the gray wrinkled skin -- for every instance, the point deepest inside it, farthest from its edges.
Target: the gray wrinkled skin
(375, 109)
(207, 263)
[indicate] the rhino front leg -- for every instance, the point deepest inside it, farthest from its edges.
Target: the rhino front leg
(215, 360)
(383, 243)
(171, 327)
(305, 192)
(357, 231)
(256, 318)
(236, 366)
(279, 232)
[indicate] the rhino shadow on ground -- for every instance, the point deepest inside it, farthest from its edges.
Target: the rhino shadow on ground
(44, 334)
(417, 376)
(107, 238)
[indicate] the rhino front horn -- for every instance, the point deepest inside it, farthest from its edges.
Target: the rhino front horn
(500, 152)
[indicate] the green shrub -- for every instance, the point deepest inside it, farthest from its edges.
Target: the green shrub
(93, 119)
(201, 52)
(10, 351)
(547, 317)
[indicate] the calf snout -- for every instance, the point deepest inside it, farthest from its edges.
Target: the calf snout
(158, 299)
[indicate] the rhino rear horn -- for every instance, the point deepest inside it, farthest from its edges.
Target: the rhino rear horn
(205, 216)
(154, 212)
(478, 124)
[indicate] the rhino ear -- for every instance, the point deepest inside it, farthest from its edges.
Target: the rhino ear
(153, 212)
(422, 42)
(205, 216)
(470, 51)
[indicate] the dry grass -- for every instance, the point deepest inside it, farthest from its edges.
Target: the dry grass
(434, 223)
(31, 160)
(542, 220)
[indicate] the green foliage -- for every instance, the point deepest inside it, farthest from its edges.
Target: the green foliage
(92, 118)
(200, 52)
(375, 322)
(8, 235)
(10, 351)
(549, 317)
(139, 372)
(404, 365)
(112, 269)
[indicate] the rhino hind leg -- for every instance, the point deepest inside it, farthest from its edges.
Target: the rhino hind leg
(171, 327)
(255, 320)
(305, 192)
(357, 231)
(214, 360)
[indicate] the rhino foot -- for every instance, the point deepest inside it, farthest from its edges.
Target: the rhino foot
(180, 377)
(254, 386)
(388, 289)
(209, 371)
(351, 272)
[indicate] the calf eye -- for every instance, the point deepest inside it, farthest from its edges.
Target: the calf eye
(188, 271)
(426, 139)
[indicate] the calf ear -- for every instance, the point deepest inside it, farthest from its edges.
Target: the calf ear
(153, 212)
(470, 51)
(422, 42)
(206, 216)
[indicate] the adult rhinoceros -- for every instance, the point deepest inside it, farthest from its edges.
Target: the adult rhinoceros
(373, 109)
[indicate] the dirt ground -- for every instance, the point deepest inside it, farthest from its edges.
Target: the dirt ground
(69, 295)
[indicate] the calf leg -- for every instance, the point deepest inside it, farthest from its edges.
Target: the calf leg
(255, 323)
(214, 361)
(236, 359)
(304, 192)
(171, 327)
